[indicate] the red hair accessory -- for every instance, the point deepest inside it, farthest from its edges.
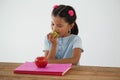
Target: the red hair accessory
(70, 12)
(55, 6)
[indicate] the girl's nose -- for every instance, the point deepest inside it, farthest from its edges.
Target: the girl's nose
(56, 29)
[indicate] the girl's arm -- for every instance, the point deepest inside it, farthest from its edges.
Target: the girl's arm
(76, 54)
(51, 53)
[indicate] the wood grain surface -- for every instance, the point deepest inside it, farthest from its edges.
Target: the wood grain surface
(75, 73)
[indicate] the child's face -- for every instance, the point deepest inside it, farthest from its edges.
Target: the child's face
(59, 25)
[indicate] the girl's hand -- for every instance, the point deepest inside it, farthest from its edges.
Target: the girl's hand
(51, 37)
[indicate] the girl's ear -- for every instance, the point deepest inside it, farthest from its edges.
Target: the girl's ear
(72, 25)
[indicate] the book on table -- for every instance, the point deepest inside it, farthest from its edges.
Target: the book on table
(50, 69)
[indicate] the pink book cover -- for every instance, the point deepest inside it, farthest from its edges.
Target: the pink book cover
(50, 69)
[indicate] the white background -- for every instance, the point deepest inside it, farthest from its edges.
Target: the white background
(24, 23)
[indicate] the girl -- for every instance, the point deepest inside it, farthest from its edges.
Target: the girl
(67, 46)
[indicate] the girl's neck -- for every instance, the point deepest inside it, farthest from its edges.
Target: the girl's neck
(68, 34)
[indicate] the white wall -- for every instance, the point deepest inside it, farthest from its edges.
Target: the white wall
(24, 23)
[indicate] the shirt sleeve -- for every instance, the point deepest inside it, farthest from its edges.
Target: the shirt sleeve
(77, 43)
(46, 45)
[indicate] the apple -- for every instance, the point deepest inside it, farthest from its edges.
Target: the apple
(55, 34)
(41, 62)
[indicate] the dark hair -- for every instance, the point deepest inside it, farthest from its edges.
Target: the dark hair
(62, 11)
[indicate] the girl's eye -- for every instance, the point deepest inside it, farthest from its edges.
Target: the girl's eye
(52, 24)
(59, 26)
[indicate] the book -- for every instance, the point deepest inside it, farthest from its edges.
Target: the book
(50, 69)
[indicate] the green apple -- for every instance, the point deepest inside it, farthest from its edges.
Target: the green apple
(55, 34)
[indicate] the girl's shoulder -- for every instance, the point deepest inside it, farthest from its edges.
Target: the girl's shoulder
(75, 36)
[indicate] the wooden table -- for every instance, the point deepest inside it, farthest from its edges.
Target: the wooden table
(75, 73)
